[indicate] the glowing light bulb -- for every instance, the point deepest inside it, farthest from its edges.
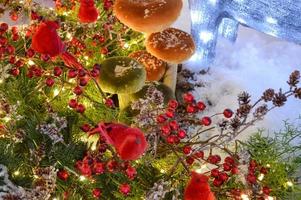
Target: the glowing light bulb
(270, 198)
(1, 81)
(268, 165)
(162, 171)
(245, 197)
(30, 62)
(126, 45)
(289, 184)
(82, 178)
(260, 177)
(56, 92)
(6, 119)
(16, 173)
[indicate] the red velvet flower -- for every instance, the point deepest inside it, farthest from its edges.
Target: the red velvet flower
(87, 11)
(198, 188)
(46, 40)
(129, 143)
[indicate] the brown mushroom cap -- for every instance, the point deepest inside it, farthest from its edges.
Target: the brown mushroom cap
(155, 68)
(147, 15)
(171, 45)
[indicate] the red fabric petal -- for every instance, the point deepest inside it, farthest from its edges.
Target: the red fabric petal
(129, 143)
(70, 61)
(198, 188)
(46, 40)
(87, 11)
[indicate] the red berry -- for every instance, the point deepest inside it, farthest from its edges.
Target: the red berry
(187, 150)
(112, 165)
(45, 57)
(201, 106)
(104, 50)
(188, 98)
(131, 172)
(3, 27)
(49, 82)
(229, 160)
(263, 170)
(214, 159)
(98, 168)
(80, 108)
(125, 189)
(251, 179)
(10, 49)
(190, 160)
(83, 81)
(181, 134)
(15, 37)
(72, 73)
(161, 119)
(228, 113)
(206, 121)
(63, 174)
(266, 190)
(165, 129)
(109, 103)
(96, 192)
(101, 39)
(78, 90)
(174, 125)
(57, 71)
(215, 173)
(82, 73)
(94, 72)
(14, 30)
(173, 104)
(253, 164)
(19, 63)
(223, 176)
(72, 103)
(234, 170)
(170, 113)
(227, 167)
(217, 182)
(15, 71)
(85, 127)
(3, 40)
(14, 15)
(199, 154)
(34, 15)
(190, 109)
(171, 139)
(12, 59)
(30, 53)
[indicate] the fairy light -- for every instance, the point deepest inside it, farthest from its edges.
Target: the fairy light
(260, 177)
(56, 92)
(244, 197)
(30, 62)
(68, 35)
(16, 173)
(55, 198)
(268, 165)
(82, 178)
(1, 81)
(162, 171)
(289, 184)
(126, 45)
(270, 198)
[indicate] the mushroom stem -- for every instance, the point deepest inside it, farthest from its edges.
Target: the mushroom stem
(124, 101)
(170, 78)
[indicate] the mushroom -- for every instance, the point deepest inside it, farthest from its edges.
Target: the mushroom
(122, 76)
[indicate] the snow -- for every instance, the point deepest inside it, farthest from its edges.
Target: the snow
(254, 63)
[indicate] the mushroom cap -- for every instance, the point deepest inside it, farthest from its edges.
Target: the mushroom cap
(155, 68)
(147, 15)
(171, 45)
(121, 75)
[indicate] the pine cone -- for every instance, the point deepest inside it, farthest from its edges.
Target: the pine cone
(298, 93)
(268, 95)
(244, 110)
(279, 99)
(244, 98)
(261, 111)
(294, 79)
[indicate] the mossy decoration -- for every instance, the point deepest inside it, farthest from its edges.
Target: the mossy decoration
(122, 75)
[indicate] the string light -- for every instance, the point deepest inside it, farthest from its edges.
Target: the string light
(245, 197)
(56, 92)
(1, 81)
(30, 62)
(126, 45)
(82, 178)
(16, 173)
(270, 198)
(6, 119)
(162, 171)
(260, 177)
(289, 184)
